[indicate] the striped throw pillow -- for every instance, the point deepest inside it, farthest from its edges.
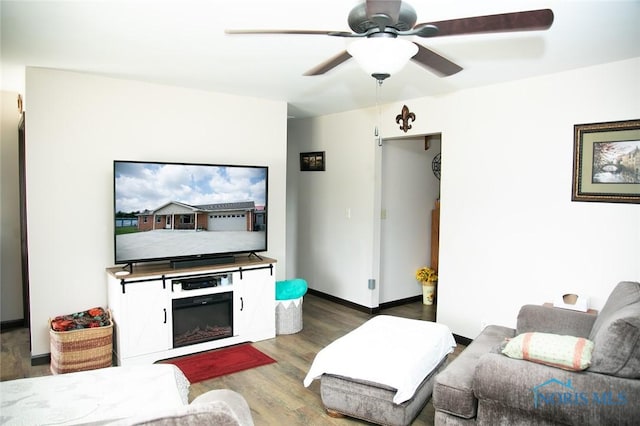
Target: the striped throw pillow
(566, 352)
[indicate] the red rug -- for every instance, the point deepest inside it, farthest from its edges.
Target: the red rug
(219, 362)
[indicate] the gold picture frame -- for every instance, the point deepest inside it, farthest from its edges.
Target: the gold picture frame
(606, 162)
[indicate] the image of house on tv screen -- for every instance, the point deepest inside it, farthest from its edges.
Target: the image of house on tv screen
(168, 210)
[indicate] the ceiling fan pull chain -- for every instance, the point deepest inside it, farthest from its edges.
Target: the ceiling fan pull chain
(378, 130)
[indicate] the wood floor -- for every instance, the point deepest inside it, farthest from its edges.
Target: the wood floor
(274, 392)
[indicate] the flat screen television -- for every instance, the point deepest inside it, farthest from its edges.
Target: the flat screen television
(181, 212)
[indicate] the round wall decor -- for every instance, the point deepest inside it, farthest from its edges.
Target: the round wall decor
(435, 166)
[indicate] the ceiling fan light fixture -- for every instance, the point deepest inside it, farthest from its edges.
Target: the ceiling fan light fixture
(382, 55)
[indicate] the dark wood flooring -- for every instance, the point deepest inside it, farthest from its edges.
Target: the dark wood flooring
(274, 392)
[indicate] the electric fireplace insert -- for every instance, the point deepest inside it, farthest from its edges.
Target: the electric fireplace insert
(202, 318)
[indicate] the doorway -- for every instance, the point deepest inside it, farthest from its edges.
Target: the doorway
(409, 191)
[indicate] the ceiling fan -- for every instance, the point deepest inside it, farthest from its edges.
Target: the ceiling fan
(389, 19)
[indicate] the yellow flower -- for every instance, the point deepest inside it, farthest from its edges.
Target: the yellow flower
(426, 274)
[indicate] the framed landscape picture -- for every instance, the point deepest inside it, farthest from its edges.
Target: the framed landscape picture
(312, 161)
(606, 162)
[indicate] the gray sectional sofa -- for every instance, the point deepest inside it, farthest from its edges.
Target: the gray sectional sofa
(483, 386)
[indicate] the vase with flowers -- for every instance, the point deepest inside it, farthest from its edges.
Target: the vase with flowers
(428, 278)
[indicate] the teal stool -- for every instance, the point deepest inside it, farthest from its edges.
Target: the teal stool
(289, 294)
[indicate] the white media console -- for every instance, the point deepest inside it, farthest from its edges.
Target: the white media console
(155, 308)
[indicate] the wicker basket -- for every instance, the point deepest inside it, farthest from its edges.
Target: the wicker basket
(288, 316)
(83, 349)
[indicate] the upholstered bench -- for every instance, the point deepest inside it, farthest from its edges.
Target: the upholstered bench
(383, 371)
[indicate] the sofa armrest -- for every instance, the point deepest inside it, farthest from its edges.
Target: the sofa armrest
(220, 407)
(453, 390)
(234, 401)
(545, 319)
(554, 394)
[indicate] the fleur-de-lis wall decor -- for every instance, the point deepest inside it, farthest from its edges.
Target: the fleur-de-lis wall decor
(405, 116)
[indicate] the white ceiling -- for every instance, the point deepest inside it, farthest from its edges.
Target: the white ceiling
(182, 43)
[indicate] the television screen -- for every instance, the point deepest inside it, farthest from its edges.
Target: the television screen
(172, 211)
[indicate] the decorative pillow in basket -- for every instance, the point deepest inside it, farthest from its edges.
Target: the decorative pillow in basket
(81, 341)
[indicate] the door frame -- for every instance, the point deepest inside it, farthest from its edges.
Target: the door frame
(377, 256)
(24, 246)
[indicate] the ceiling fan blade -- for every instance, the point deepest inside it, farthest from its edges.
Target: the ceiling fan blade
(531, 20)
(302, 32)
(434, 62)
(390, 8)
(329, 64)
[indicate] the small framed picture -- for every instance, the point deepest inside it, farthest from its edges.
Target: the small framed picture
(606, 162)
(312, 161)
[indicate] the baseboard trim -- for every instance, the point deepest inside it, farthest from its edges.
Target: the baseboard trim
(362, 308)
(11, 325)
(401, 302)
(461, 340)
(41, 359)
(343, 302)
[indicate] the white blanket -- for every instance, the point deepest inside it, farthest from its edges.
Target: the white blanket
(393, 351)
(92, 396)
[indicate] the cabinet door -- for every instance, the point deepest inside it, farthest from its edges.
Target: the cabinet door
(148, 319)
(256, 315)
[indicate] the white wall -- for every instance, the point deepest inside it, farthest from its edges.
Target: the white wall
(510, 233)
(335, 253)
(77, 124)
(10, 258)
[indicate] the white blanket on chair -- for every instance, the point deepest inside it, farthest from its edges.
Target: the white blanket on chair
(393, 351)
(94, 396)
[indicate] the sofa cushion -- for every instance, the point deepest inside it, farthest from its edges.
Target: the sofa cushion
(453, 391)
(567, 352)
(617, 345)
(518, 392)
(616, 333)
(626, 293)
